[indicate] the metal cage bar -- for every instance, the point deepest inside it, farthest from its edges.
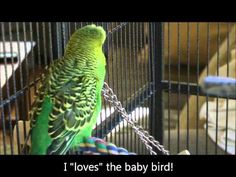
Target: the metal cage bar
(156, 116)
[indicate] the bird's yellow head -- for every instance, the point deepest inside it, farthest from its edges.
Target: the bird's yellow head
(85, 47)
(90, 35)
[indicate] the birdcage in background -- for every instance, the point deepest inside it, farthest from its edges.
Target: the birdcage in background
(154, 69)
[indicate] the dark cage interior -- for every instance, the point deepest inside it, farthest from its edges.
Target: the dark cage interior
(155, 69)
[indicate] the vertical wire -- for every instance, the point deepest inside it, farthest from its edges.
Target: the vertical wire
(3, 124)
(152, 72)
(69, 29)
(18, 48)
(112, 83)
(21, 75)
(106, 53)
(119, 77)
(138, 77)
(130, 83)
(32, 57)
(2, 107)
(7, 87)
(26, 65)
(178, 103)
(81, 24)
(109, 64)
(169, 81)
(38, 42)
(146, 78)
(141, 104)
(116, 77)
(58, 31)
(44, 44)
(197, 112)
(141, 62)
(126, 77)
(107, 75)
(146, 67)
(122, 79)
(136, 118)
(227, 99)
(136, 60)
(64, 35)
(8, 94)
(153, 29)
(207, 98)
(103, 105)
(26, 78)
(149, 70)
(134, 79)
(50, 42)
(217, 99)
(188, 82)
(75, 26)
(32, 62)
(141, 77)
(14, 88)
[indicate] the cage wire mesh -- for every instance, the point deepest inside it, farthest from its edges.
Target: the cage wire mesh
(155, 69)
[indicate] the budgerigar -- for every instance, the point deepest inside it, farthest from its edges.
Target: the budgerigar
(69, 98)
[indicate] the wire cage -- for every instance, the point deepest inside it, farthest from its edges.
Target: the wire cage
(155, 69)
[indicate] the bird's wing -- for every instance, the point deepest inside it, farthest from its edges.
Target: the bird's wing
(42, 91)
(74, 105)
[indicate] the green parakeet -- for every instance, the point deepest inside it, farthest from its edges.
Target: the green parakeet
(69, 98)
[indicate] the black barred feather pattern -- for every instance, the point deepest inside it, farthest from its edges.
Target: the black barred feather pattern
(43, 90)
(74, 100)
(74, 106)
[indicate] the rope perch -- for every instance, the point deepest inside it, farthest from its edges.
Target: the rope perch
(97, 146)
